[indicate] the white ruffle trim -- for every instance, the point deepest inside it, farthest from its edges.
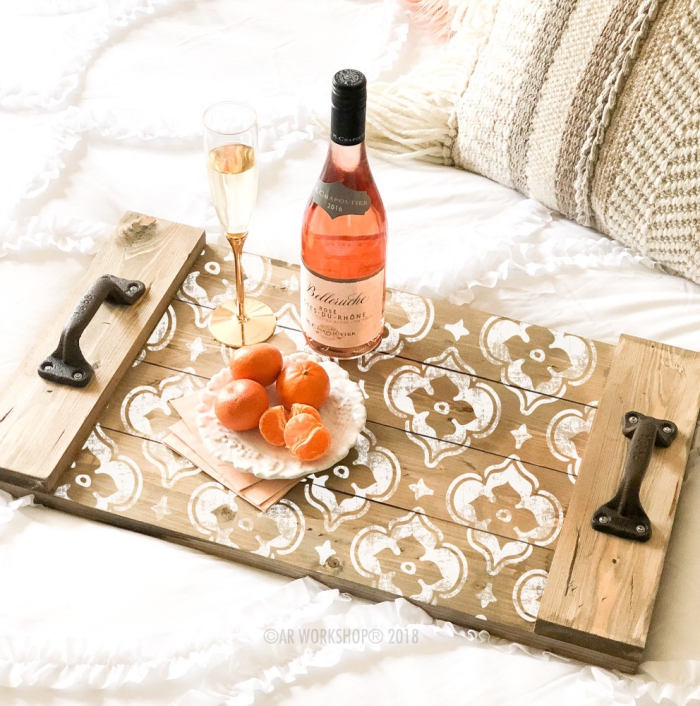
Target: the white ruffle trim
(10, 505)
(63, 90)
(51, 7)
(250, 660)
(44, 233)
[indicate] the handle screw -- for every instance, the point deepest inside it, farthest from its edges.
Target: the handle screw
(77, 375)
(603, 519)
(668, 429)
(633, 419)
(640, 529)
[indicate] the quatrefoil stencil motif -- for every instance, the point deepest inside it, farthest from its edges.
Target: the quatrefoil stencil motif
(534, 376)
(444, 405)
(539, 508)
(376, 554)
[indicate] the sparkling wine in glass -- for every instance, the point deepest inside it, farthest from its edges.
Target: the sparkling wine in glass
(230, 142)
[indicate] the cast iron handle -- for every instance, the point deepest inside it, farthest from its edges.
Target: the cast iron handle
(67, 365)
(624, 515)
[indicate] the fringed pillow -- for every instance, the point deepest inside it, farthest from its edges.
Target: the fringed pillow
(590, 106)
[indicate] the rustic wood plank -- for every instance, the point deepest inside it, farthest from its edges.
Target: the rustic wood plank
(385, 466)
(523, 356)
(157, 252)
(553, 435)
(397, 550)
(370, 593)
(601, 589)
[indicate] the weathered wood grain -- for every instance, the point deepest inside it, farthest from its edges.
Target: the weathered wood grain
(601, 589)
(386, 465)
(36, 443)
(420, 329)
(223, 551)
(434, 553)
(188, 349)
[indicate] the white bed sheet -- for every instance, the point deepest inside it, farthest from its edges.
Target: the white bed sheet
(100, 102)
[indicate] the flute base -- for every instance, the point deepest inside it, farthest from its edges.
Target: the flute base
(227, 329)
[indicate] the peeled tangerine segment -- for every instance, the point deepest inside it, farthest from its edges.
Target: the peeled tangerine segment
(298, 409)
(306, 437)
(272, 424)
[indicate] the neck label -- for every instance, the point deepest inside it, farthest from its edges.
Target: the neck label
(337, 200)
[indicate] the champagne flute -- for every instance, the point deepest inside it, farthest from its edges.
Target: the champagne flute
(230, 142)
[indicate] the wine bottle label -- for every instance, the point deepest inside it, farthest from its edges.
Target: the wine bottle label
(342, 313)
(337, 200)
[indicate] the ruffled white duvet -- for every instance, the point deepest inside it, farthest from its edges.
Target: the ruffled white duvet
(100, 104)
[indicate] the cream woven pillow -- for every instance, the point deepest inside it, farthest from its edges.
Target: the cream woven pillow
(590, 106)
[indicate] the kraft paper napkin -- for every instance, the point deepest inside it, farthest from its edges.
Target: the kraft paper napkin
(184, 439)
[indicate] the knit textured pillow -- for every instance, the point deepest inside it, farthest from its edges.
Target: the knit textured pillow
(590, 106)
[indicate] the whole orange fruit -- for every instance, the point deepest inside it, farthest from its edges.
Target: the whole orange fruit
(272, 424)
(303, 382)
(240, 404)
(306, 437)
(261, 362)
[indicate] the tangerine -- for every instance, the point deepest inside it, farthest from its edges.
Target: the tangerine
(272, 424)
(306, 437)
(303, 382)
(240, 404)
(261, 362)
(305, 409)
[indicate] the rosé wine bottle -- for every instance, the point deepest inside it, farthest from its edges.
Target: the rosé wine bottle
(343, 238)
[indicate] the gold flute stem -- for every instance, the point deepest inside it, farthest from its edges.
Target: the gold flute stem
(236, 241)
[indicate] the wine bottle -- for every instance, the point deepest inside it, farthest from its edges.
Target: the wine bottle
(343, 242)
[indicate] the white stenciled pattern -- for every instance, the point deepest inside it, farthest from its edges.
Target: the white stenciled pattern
(527, 593)
(288, 318)
(325, 552)
(420, 489)
(162, 334)
(371, 541)
(498, 334)
(475, 401)
(457, 330)
(545, 509)
(561, 436)
(144, 400)
(521, 435)
(136, 409)
(486, 596)
(171, 465)
(258, 271)
(386, 474)
(420, 313)
(290, 523)
(212, 510)
(125, 474)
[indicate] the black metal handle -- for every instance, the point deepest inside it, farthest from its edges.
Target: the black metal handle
(624, 515)
(67, 365)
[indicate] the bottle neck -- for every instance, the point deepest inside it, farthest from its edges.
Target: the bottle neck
(347, 157)
(348, 123)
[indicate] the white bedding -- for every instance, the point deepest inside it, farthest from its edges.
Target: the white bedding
(100, 102)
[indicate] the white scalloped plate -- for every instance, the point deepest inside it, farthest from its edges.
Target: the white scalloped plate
(343, 414)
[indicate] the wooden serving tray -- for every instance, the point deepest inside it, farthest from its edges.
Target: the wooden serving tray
(488, 446)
